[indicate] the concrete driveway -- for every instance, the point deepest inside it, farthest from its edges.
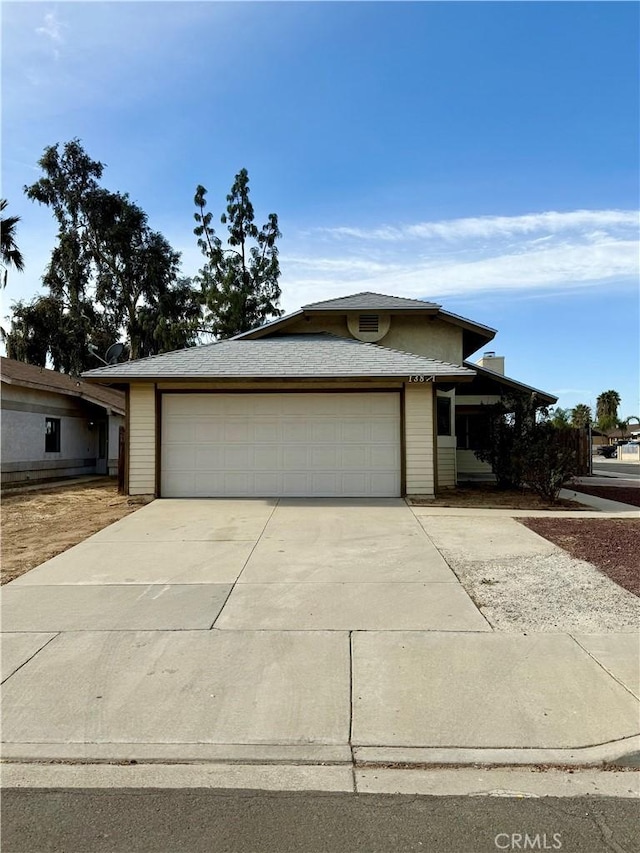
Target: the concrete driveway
(287, 630)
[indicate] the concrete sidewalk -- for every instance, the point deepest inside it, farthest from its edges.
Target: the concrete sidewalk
(298, 632)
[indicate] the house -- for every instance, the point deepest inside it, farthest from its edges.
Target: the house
(366, 395)
(55, 425)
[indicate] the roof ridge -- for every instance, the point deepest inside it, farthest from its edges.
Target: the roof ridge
(370, 293)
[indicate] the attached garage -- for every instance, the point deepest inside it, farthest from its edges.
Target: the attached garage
(301, 415)
(342, 444)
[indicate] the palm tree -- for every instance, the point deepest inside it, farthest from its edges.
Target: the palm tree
(581, 416)
(607, 410)
(11, 254)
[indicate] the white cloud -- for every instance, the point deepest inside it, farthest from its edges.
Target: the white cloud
(550, 222)
(534, 252)
(52, 28)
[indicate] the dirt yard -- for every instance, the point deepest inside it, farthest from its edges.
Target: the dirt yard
(610, 544)
(39, 524)
(486, 495)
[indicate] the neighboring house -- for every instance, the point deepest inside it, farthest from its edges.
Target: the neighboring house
(354, 397)
(55, 425)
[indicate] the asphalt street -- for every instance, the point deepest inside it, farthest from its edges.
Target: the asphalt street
(616, 469)
(241, 821)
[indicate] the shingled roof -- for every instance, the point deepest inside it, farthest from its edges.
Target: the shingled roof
(304, 356)
(368, 301)
(41, 378)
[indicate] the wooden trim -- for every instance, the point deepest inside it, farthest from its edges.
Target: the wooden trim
(158, 409)
(403, 444)
(434, 426)
(391, 390)
(127, 436)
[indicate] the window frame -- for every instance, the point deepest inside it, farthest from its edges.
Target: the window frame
(52, 432)
(443, 403)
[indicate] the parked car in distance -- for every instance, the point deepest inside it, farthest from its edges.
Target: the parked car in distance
(607, 450)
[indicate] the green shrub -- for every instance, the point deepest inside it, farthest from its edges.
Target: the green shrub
(524, 447)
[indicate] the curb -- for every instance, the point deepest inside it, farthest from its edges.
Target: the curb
(623, 753)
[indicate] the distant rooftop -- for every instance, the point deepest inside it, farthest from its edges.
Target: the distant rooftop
(41, 378)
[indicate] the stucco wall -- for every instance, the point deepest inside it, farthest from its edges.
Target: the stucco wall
(428, 336)
(24, 458)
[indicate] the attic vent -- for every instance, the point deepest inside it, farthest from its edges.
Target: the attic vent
(368, 323)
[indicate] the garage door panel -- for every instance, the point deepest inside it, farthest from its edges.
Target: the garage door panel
(324, 430)
(180, 456)
(265, 431)
(296, 432)
(238, 458)
(268, 458)
(354, 456)
(321, 444)
(355, 431)
(296, 457)
(208, 430)
(323, 456)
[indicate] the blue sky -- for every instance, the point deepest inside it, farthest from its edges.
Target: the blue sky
(482, 155)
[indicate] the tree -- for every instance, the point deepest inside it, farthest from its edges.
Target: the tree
(560, 417)
(107, 267)
(607, 410)
(239, 283)
(156, 333)
(11, 254)
(622, 425)
(43, 331)
(581, 416)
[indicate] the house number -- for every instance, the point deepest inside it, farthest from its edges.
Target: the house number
(420, 377)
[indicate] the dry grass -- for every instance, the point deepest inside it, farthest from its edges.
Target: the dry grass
(39, 524)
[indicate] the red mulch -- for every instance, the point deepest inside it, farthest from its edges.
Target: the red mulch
(612, 545)
(624, 494)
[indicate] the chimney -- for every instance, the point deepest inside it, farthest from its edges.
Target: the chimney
(492, 362)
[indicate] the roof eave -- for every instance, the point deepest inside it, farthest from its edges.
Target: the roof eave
(545, 398)
(396, 377)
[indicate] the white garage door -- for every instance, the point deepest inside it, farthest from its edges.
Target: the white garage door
(266, 445)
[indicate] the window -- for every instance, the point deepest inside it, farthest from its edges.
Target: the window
(443, 409)
(468, 430)
(52, 435)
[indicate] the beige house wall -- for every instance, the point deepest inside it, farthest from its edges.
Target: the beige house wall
(429, 336)
(142, 439)
(468, 463)
(447, 463)
(419, 439)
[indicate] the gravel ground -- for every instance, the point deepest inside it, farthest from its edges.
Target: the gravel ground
(612, 545)
(554, 593)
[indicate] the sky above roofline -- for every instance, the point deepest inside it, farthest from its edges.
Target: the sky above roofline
(479, 155)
